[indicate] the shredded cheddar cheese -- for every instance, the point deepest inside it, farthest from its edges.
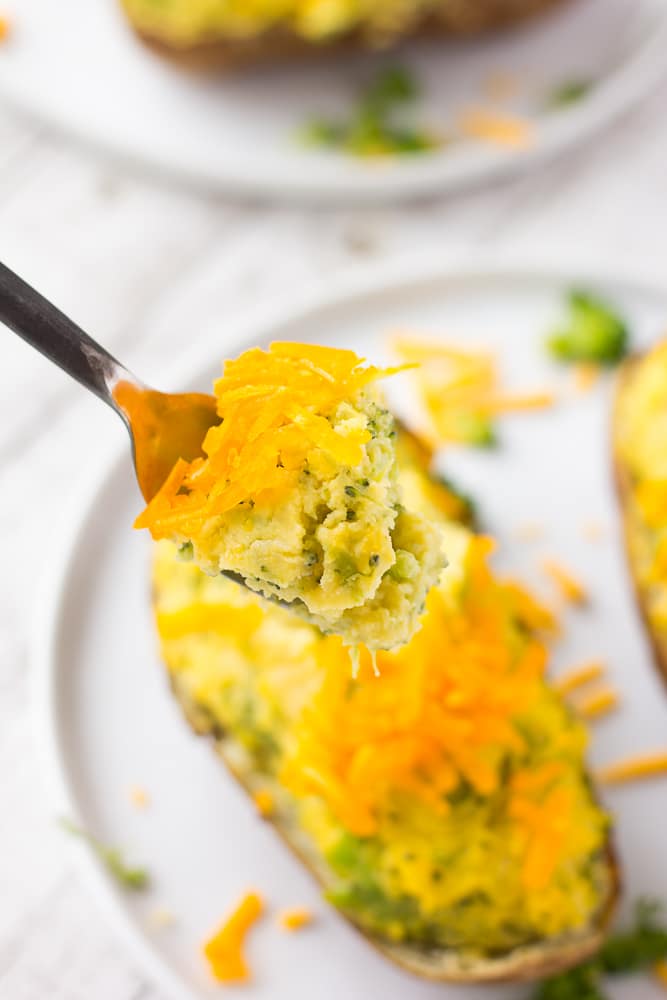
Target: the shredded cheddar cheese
(569, 586)
(272, 407)
(585, 377)
(462, 391)
(529, 531)
(428, 718)
(294, 920)
(264, 802)
(578, 676)
(139, 797)
(599, 703)
(593, 531)
(660, 970)
(633, 768)
(160, 918)
(500, 130)
(224, 950)
(5, 28)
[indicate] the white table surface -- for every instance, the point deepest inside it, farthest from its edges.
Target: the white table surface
(140, 265)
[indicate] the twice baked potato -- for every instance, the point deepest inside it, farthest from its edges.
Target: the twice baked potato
(443, 805)
(639, 433)
(231, 34)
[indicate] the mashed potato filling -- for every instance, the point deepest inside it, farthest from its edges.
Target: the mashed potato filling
(299, 495)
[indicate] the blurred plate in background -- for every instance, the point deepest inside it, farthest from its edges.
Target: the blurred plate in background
(78, 67)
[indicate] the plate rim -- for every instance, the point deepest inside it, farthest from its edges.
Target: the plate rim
(635, 78)
(399, 272)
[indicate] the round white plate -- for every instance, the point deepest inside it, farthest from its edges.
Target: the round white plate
(77, 66)
(106, 718)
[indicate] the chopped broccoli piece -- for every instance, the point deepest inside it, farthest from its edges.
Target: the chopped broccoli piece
(111, 858)
(594, 332)
(569, 92)
(628, 951)
(370, 129)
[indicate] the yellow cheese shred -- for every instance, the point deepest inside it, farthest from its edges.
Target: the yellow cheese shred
(461, 389)
(585, 377)
(599, 703)
(578, 676)
(633, 768)
(294, 920)
(5, 28)
(500, 130)
(660, 969)
(273, 407)
(224, 951)
(569, 586)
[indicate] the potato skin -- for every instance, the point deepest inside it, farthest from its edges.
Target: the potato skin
(630, 523)
(458, 17)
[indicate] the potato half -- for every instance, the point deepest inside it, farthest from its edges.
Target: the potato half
(216, 50)
(532, 959)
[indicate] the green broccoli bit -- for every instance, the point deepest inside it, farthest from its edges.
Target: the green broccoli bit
(111, 858)
(640, 947)
(406, 566)
(594, 332)
(569, 92)
(468, 513)
(370, 129)
(345, 566)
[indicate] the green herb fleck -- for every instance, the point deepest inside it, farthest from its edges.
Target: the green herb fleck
(569, 92)
(637, 948)
(185, 552)
(131, 878)
(373, 127)
(594, 332)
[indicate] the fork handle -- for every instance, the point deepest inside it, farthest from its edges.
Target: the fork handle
(57, 337)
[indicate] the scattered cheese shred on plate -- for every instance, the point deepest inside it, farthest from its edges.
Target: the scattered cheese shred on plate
(224, 950)
(570, 587)
(578, 676)
(633, 768)
(660, 969)
(529, 531)
(585, 376)
(139, 797)
(294, 920)
(161, 917)
(461, 390)
(501, 130)
(5, 27)
(593, 531)
(598, 703)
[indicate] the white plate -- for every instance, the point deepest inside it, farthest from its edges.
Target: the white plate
(77, 66)
(107, 720)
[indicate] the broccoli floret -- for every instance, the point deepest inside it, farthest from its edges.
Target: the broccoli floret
(594, 332)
